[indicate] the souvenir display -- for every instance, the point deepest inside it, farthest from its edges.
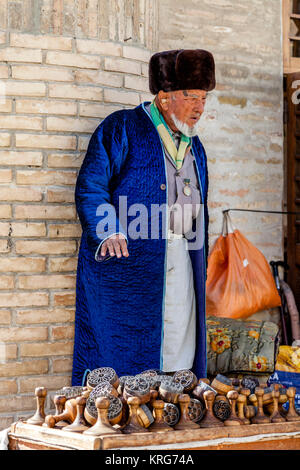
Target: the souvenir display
(200, 388)
(102, 390)
(71, 392)
(122, 381)
(114, 411)
(250, 382)
(155, 402)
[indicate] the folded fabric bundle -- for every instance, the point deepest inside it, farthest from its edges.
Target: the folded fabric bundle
(241, 346)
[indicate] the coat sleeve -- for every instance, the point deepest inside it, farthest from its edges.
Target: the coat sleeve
(105, 156)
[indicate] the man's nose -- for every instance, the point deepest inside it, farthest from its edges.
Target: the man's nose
(199, 106)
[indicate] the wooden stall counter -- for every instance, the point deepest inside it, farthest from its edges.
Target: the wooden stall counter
(278, 436)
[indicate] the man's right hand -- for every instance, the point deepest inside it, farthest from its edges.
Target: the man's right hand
(116, 245)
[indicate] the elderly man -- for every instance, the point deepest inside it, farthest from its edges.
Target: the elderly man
(140, 300)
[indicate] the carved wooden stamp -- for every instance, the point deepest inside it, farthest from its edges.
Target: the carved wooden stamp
(186, 378)
(159, 424)
(59, 402)
(79, 424)
(276, 416)
(103, 374)
(210, 419)
(292, 414)
(170, 391)
(185, 422)
(133, 424)
(69, 414)
(222, 384)
(233, 419)
(39, 417)
(137, 387)
(195, 410)
(102, 425)
(241, 403)
(171, 414)
(260, 417)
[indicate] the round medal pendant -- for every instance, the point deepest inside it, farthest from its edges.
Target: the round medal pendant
(187, 191)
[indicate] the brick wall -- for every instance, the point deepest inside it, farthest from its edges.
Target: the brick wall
(64, 67)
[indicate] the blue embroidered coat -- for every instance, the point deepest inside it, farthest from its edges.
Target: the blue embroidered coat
(120, 302)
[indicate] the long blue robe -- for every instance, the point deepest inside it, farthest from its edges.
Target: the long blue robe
(120, 302)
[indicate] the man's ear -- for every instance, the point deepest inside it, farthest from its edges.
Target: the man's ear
(163, 100)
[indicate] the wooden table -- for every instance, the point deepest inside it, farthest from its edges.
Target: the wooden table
(281, 436)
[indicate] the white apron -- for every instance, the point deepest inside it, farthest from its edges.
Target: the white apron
(179, 340)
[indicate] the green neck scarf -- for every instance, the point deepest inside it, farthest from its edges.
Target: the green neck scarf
(166, 137)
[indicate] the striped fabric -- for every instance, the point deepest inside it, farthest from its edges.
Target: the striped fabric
(166, 137)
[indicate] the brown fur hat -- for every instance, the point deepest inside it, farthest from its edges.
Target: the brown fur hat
(183, 69)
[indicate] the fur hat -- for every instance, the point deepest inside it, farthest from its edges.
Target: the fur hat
(182, 69)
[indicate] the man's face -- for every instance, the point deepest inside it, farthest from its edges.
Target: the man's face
(187, 105)
(182, 109)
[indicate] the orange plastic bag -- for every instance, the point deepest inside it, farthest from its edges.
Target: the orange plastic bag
(239, 278)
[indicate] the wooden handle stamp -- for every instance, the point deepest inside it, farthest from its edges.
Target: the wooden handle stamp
(185, 422)
(137, 387)
(171, 414)
(133, 425)
(159, 424)
(170, 391)
(39, 417)
(233, 419)
(241, 403)
(260, 417)
(69, 414)
(210, 420)
(222, 384)
(221, 407)
(145, 416)
(103, 374)
(200, 388)
(79, 424)
(276, 416)
(292, 414)
(195, 410)
(102, 425)
(186, 378)
(59, 402)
